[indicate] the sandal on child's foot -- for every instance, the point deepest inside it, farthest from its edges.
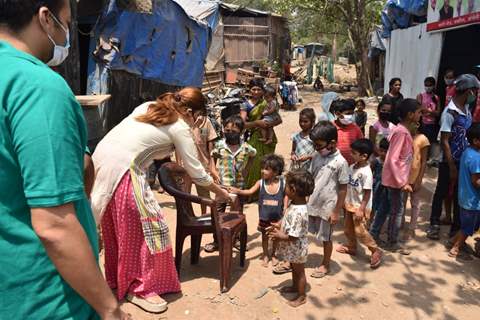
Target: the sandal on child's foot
(320, 272)
(274, 261)
(297, 302)
(282, 268)
(376, 259)
(211, 247)
(346, 250)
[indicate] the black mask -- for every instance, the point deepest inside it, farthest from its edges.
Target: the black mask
(384, 116)
(232, 138)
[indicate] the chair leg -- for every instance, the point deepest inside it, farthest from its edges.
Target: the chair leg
(195, 241)
(226, 262)
(243, 246)
(180, 238)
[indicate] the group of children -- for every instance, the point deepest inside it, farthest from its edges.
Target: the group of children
(334, 170)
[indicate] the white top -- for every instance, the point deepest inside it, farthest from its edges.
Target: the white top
(360, 179)
(134, 143)
(446, 120)
(329, 173)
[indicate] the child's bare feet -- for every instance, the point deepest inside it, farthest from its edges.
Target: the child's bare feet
(288, 289)
(265, 261)
(298, 301)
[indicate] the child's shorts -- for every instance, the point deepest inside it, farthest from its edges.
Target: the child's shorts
(469, 221)
(320, 228)
(263, 225)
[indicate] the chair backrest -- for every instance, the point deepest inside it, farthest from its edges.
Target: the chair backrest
(175, 180)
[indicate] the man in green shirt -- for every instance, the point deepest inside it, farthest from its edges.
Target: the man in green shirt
(48, 238)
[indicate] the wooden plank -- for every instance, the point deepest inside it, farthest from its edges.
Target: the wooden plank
(92, 100)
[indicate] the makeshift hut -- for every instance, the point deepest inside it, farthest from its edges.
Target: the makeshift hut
(428, 49)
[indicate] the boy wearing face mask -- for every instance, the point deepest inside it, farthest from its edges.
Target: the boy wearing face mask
(232, 157)
(348, 131)
(331, 174)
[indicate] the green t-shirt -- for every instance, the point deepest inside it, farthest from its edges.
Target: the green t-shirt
(42, 144)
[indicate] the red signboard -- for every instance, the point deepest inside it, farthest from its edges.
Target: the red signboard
(451, 14)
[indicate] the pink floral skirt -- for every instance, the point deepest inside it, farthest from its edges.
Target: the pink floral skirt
(130, 268)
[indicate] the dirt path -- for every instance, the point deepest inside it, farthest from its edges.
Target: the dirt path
(425, 285)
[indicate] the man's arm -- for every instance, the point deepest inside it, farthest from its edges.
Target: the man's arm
(68, 247)
(444, 138)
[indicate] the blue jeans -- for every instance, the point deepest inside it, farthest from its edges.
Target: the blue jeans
(395, 215)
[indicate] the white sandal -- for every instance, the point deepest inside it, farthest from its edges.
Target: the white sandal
(154, 304)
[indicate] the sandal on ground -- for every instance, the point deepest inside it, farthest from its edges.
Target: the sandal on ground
(318, 274)
(346, 250)
(211, 247)
(376, 259)
(153, 304)
(282, 268)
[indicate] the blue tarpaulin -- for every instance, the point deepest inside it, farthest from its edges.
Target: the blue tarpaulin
(166, 46)
(397, 14)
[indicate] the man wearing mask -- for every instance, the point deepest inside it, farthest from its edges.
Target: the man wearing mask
(454, 123)
(48, 237)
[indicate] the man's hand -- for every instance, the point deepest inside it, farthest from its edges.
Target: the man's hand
(294, 157)
(334, 217)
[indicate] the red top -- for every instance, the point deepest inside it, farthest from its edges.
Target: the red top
(346, 136)
(450, 92)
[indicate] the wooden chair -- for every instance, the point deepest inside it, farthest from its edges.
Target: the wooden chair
(227, 226)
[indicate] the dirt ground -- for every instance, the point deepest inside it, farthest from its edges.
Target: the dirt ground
(425, 285)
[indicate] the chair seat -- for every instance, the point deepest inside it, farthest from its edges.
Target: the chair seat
(230, 221)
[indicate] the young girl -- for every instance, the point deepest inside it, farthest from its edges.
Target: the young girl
(303, 148)
(396, 171)
(360, 114)
(271, 200)
(395, 97)
(292, 233)
(419, 163)
(270, 114)
(431, 112)
(382, 128)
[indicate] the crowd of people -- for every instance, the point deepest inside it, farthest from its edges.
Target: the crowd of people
(54, 191)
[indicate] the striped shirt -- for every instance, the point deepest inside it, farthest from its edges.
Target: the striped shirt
(231, 165)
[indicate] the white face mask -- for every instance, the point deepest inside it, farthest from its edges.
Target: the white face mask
(347, 119)
(429, 89)
(60, 53)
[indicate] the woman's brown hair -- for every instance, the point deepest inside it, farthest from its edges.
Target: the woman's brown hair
(169, 106)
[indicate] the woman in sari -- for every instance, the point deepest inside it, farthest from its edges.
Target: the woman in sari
(139, 262)
(252, 114)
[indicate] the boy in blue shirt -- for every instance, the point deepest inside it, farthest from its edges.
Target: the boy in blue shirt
(468, 190)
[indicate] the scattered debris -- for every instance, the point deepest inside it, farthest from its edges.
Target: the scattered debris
(187, 312)
(261, 293)
(384, 304)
